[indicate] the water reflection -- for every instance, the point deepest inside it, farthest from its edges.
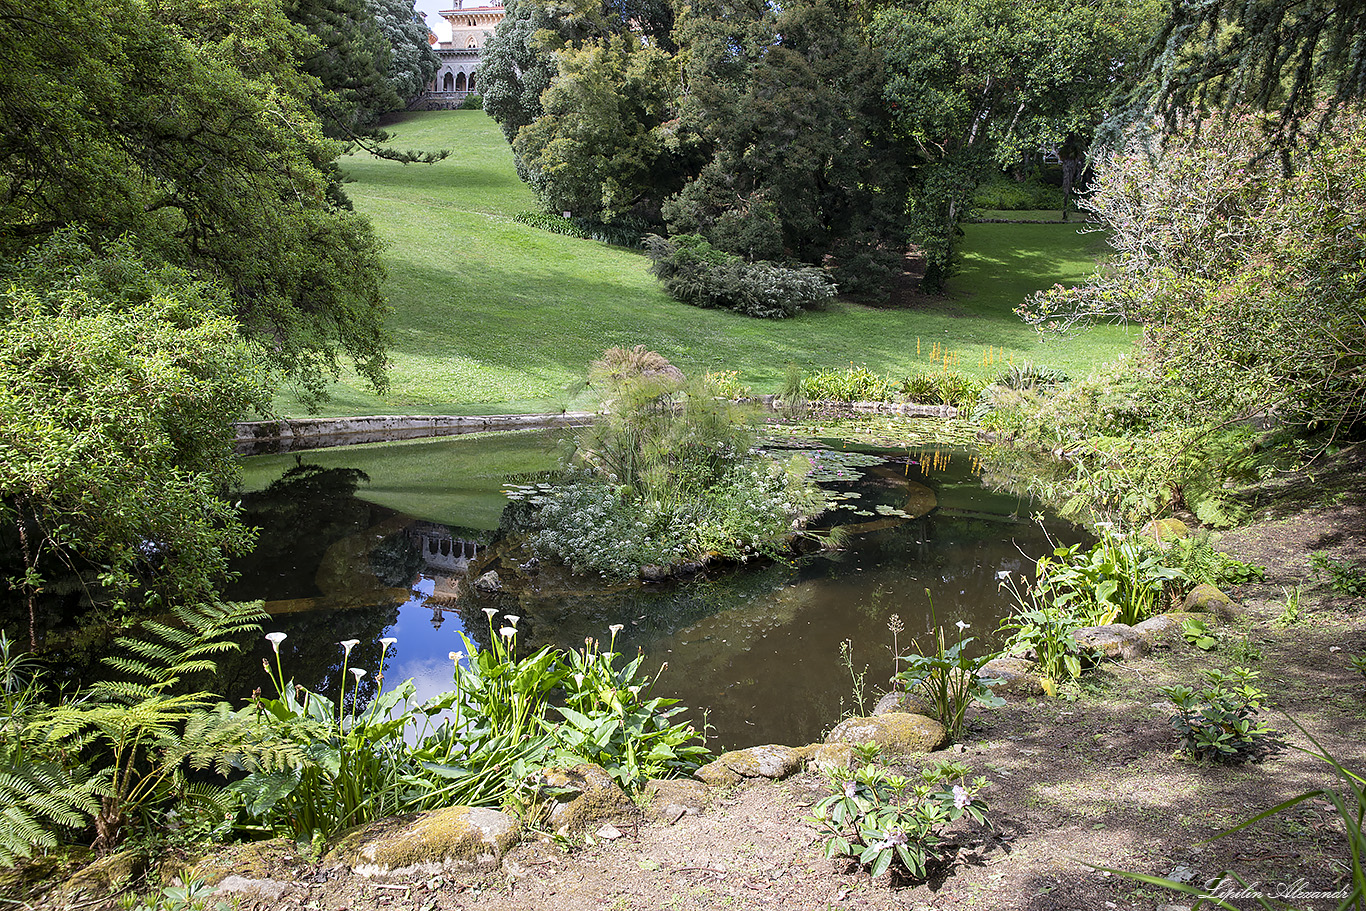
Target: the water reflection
(756, 649)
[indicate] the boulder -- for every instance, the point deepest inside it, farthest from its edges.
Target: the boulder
(264, 889)
(1016, 676)
(673, 798)
(489, 583)
(829, 756)
(1164, 630)
(653, 573)
(717, 774)
(256, 860)
(895, 732)
(453, 838)
(915, 703)
(109, 875)
(768, 761)
(584, 795)
(1206, 599)
(1112, 642)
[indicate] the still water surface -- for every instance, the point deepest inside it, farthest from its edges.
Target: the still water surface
(756, 649)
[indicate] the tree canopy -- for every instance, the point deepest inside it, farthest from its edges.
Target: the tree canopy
(975, 84)
(1300, 59)
(119, 379)
(191, 129)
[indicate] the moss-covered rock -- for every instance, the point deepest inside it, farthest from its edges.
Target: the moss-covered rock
(1164, 531)
(252, 860)
(1016, 676)
(583, 795)
(426, 843)
(1112, 642)
(768, 761)
(99, 880)
(673, 798)
(717, 774)
(1206, 599)
(895, 732)
(828, 756)
(914, 703)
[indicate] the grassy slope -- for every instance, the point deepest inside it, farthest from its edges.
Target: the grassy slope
(490, 315)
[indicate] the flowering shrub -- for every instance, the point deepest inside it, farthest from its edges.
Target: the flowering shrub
(319, 765)
(949, 679)
(879, 818)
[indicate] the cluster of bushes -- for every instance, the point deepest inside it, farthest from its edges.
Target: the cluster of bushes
(668, 476)
(472, 102)
(695, 272)
(1017, 195)
(583, 229)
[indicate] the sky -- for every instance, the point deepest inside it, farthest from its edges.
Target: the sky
(430, 9)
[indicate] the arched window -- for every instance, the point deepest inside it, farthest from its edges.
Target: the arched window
(474, 41)
(448, 83)
(460, 83)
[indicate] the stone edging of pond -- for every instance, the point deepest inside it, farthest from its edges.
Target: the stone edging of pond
(260, 437)
(296, 434)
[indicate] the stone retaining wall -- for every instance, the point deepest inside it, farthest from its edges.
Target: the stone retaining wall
(258, 437)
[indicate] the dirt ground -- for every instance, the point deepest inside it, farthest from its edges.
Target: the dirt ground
(1092, 781)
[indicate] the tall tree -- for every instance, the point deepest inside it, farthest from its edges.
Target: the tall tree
(799, 161)
(600, 148)
(974, 83)
(370, 57)
(190, 127)
(518, 63)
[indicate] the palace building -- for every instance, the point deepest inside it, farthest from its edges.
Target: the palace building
(472, 23)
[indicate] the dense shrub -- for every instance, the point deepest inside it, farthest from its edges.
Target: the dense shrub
(695, 272)
(583, 229)
(1015, 195)
(472, 102)
(857, 383)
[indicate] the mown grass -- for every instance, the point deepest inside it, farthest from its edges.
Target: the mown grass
(490, 315)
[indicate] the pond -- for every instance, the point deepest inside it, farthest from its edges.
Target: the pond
(755, 652)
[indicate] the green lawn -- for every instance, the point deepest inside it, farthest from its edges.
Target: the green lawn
(492, 316)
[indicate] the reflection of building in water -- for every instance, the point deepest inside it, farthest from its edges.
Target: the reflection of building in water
(441, 551)
(445, 560)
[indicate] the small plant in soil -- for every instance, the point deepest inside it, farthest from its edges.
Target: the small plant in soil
(880, 819)
(949, 679)
(1219, 723)
(1345, 578)
(1198, 634)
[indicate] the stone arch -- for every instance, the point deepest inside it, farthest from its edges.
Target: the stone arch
(460, 83)
(448, 82)
(473, 42)
(471, 82)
